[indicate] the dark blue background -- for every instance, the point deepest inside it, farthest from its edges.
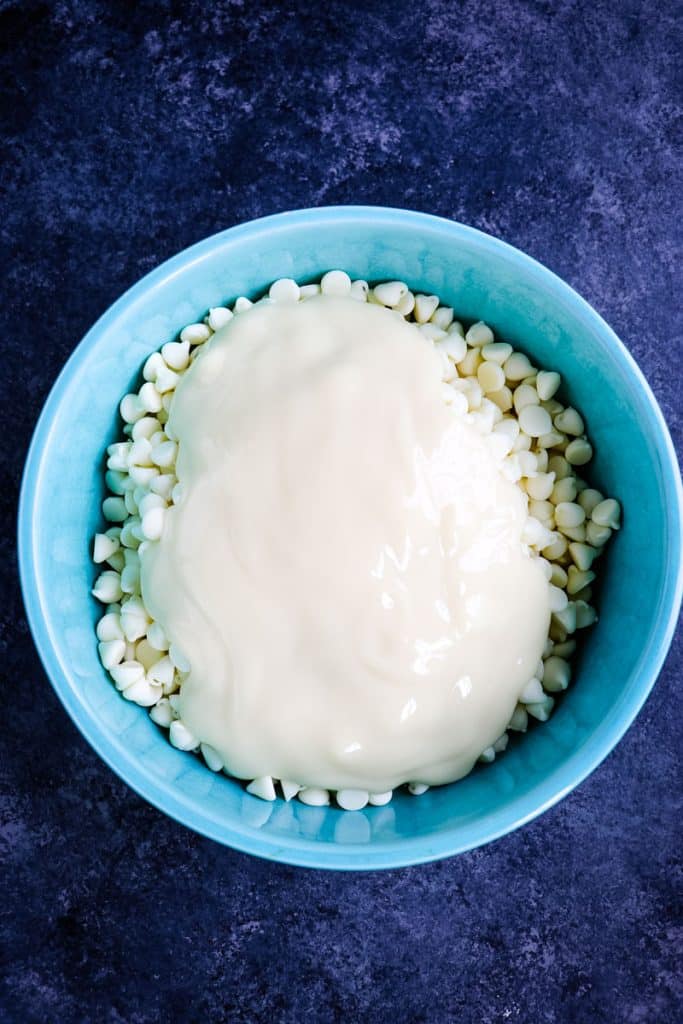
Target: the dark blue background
(132, 130)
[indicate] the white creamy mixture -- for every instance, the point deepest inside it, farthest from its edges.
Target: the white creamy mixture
(344, 571)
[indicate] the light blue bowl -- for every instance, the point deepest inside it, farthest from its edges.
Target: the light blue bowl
(528, 306)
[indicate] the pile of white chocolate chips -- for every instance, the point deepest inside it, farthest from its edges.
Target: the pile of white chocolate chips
(541, 446)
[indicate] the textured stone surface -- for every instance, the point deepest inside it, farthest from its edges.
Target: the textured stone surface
(132, 130)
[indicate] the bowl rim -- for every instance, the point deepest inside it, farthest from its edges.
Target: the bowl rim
(400, 852)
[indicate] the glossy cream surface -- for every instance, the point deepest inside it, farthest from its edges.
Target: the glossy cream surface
(344, 571)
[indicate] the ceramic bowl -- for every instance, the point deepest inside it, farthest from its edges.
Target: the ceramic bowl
(527, 305)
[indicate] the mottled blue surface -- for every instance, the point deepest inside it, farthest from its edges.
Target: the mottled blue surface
(131, 131)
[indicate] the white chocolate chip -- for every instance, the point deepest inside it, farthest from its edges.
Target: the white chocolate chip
(263, 788)
(547, 383)
(219, 317)
(195, 334)
(534, 420)
(607, 513)
(390, 293)
(479, 334)
(335, 282)
(425, 305)
(352, 799)
(181, 737)
(313, 796)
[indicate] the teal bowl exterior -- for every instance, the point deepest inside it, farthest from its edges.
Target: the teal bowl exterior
(527, 305)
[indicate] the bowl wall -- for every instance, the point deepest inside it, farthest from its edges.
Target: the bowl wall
(483, 279)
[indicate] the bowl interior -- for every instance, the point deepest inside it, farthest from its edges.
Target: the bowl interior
(481, 278)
